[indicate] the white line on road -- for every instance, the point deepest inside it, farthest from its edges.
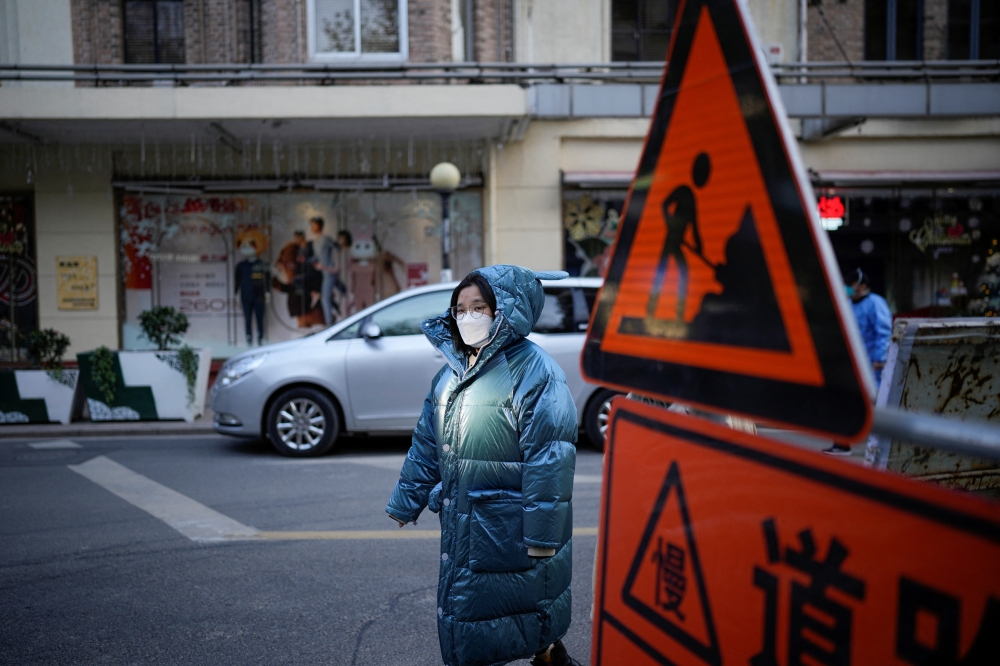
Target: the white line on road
(55, 444)
(192, 519)
(200, 523)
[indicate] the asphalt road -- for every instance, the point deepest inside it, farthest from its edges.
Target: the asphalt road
(209, 550)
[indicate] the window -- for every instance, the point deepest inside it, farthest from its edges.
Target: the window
(893, 29)
(566, 310)
(973, 30)
(357, 29)
(154, 31)
(640, 29)
(404, 317)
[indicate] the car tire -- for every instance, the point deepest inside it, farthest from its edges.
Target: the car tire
(595, 417)
(303, 422)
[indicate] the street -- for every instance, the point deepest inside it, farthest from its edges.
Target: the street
(237, 555)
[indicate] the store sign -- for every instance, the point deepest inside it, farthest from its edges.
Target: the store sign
(76, 283)
(831, 212)
(722, 289)
(721, 547)
(940, 230)
(416, 275)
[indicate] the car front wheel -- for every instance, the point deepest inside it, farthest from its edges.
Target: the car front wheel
(303, 422)
(595, 418)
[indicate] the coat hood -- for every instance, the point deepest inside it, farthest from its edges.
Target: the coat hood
(520, 299)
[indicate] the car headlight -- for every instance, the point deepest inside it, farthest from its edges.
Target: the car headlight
(231, 372)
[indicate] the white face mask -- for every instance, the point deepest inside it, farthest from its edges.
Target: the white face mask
(474, 331)
(248, 250)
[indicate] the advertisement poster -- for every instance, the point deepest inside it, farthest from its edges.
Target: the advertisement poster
(18, 277)
(76, 283)
(258, 268)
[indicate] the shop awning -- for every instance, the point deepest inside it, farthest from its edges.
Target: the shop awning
(902, 178)
(597, 179)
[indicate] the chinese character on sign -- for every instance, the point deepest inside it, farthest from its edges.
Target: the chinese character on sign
(670, 581)
(819, 626)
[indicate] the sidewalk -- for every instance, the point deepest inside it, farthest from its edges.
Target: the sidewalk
(200, 426)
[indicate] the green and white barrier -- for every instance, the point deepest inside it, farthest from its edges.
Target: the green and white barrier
(37, 396)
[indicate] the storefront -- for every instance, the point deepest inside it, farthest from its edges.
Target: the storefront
(18, 276)
(205, 254)
(931, 250)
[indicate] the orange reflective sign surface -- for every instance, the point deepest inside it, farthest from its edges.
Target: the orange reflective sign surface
(719, 547)
(722, 290)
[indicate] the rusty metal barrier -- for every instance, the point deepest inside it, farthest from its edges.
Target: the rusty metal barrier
(937, 412)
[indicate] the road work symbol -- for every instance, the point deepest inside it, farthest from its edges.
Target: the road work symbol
(722, 290)
(665, 583)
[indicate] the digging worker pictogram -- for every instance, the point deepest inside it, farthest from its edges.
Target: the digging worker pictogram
(680, 212)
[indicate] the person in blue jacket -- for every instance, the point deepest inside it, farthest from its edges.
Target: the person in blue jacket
(875, 323)
(493, 453)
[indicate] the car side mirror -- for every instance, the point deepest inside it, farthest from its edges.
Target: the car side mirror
(371, 331)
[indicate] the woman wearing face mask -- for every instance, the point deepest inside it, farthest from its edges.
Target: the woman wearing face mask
(493, 453)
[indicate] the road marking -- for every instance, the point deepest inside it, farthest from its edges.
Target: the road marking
(587, 478)
(200, 523)
(55, 444)
(334, 535)
(192, 519)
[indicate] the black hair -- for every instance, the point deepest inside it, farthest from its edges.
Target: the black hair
(471, 280)
(299, 232)
(346, 234)
(317, 221)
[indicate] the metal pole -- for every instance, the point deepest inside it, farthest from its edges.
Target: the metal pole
(445, 238)
(978, 439)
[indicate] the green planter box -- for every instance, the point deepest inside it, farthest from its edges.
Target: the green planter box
(37, 396)
(149, 386)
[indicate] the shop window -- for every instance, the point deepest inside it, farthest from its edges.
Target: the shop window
(18, 277)
(640, 29)
(187, 251)
(357, 29)
(894, 29)
(154, 31)
(973, 30)
(590, 221)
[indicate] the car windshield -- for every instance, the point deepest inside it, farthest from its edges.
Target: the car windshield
(566, 310)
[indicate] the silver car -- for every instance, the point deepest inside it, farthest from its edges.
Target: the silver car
(371, 372)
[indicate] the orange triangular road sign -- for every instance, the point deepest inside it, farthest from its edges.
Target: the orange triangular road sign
(721, 276)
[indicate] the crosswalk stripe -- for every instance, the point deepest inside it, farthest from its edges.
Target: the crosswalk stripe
(192, 519)
(200, 523)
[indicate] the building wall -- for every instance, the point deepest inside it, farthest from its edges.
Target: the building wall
(777, 22)
(74, 216)
(565, 31)
(527, 220)
(36, 32)
(845, 21)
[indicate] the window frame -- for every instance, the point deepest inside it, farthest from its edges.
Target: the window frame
(156, 33)
(890, 40)
(357, 56)
(639, 31)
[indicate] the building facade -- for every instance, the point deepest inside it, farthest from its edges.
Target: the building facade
(186, 137)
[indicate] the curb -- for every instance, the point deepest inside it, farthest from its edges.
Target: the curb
(118, 428)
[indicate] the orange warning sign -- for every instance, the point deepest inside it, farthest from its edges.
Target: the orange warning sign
(720, 272)
(721, 547)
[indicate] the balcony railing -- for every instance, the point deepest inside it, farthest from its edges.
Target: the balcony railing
(481, 72)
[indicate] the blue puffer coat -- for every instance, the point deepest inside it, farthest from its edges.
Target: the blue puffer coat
(493, 452)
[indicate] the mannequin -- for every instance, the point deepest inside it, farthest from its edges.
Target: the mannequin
(252, 279)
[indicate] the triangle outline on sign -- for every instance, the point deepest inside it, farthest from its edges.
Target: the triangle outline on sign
(707, 652)
(821, 385)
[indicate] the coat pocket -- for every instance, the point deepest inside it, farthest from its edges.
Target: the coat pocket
(496, 533)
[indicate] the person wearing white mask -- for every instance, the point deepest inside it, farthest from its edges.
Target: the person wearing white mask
(493, 453)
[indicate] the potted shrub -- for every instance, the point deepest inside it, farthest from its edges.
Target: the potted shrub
(43, 393)
(162, 384)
